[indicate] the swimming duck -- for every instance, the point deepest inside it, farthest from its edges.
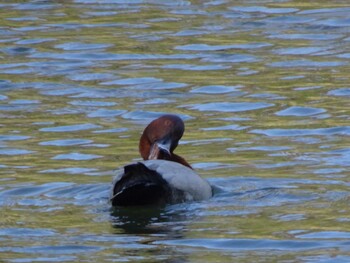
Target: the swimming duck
(163, 177)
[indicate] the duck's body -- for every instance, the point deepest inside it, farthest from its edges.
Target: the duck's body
(163, 177)
(158, 182)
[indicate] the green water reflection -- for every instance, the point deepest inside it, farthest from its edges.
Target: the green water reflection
(263, 88)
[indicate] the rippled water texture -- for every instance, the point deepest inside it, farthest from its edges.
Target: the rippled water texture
(263, 88)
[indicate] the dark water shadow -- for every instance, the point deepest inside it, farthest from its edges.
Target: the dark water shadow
(157, 220)
(135, 220)
(151, 224)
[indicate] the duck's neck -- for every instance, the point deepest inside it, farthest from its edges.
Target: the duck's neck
(176, 158)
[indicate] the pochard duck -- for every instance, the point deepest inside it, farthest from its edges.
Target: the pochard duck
(163, 177)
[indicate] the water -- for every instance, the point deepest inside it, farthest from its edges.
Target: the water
(263, 88)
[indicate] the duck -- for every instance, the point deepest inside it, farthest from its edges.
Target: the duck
(163, 177)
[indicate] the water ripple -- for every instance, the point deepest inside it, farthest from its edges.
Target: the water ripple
(215, 89)
(71, 170)
(13, 137)
(28, 232)
(76, 156)
(195, 67)
(300, 50)
(256, 244)
(81, 46)
(71, 128)
(233, 127)
(340, 92)
(341, 130)
(263, 9)
(307, 63)
(66, 142)
(91, 103)
(230, 106)
(105, 113)
(12, 151)
(300, 111)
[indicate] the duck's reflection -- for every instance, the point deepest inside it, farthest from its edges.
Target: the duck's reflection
(148, 220)
(151, 224)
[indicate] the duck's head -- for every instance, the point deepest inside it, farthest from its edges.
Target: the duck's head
(161, 137)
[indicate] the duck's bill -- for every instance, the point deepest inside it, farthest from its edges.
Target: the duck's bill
(159, 151)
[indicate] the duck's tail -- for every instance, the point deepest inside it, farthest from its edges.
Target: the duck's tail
(140, 186)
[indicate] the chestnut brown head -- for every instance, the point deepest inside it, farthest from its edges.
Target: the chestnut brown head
(161, 137)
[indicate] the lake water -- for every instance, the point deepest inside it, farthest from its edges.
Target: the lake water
(263, 88)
